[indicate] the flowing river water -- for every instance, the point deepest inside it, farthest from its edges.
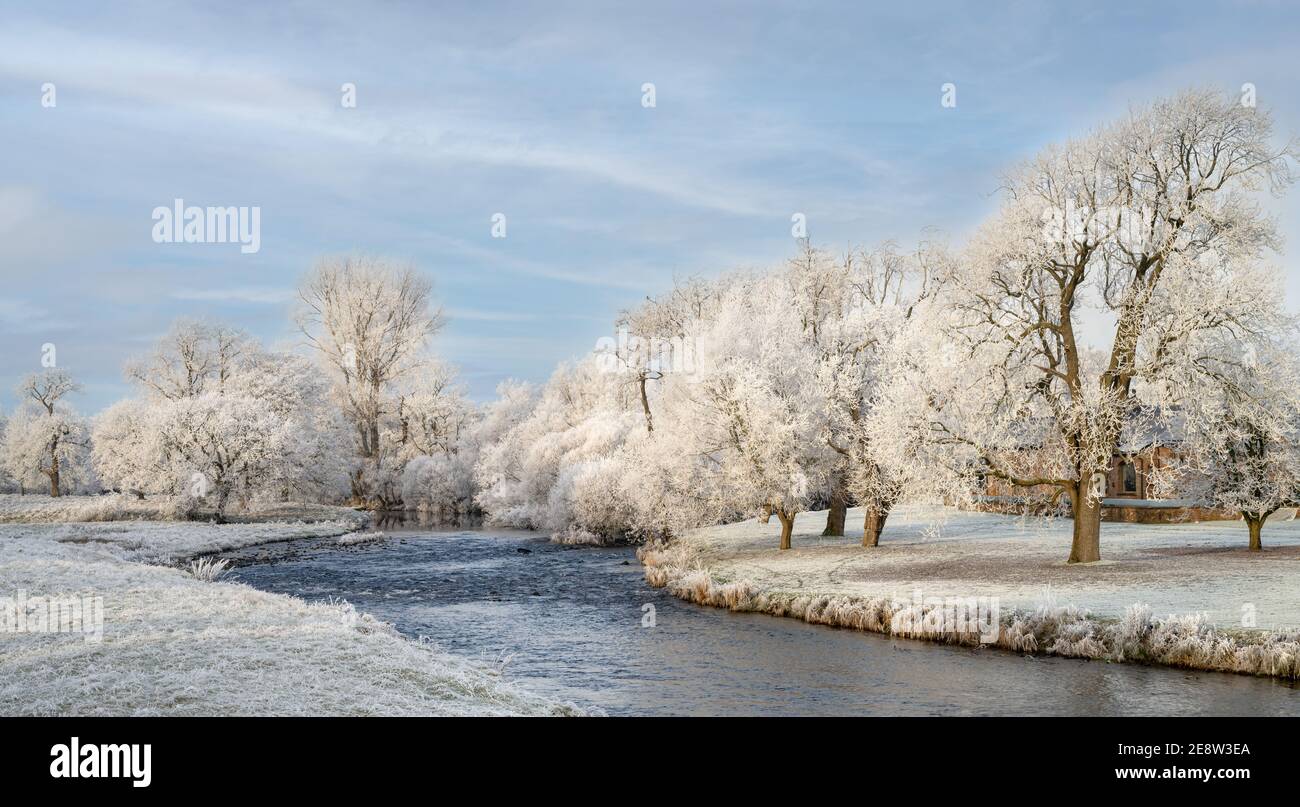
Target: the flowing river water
(573, 623)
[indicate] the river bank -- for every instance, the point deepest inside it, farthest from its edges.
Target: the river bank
(581, 625)
(172, 643)
(1187, 595)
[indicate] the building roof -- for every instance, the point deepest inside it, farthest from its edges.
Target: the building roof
(1149, 426)
(1146, 426)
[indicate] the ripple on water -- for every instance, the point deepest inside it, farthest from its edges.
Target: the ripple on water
(571, 622)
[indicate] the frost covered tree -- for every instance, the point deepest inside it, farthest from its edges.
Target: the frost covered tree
(1149, 220)
(314, 461)
(655, 338)
(497, 480)
(430, 444)
(369, 321)
(790, 363)
(822, 300)
(1241, 420)
(857, 348)
(192, 358)
(230, 445)
(195, 357)
(5, 480)
(754, 410)
(433, 414)
(556, 468)
(125, 450)
(49, 447)
(219, 425)
(45, 439)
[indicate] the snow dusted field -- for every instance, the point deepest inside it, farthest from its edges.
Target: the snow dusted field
(1174, 568)
(175, 645)
(1196, 585)
(34, 508)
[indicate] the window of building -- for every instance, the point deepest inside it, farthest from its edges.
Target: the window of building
(1130, 477)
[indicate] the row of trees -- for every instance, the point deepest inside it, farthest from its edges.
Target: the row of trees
(870, 377)
(218, 418)
(878, 376)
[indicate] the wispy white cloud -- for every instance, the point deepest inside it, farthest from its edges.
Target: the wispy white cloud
(24, 316)
(107, 70)
(479, 315)
(257, 295)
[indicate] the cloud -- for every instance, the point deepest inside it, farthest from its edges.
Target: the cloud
(257, 295)
(22, 316)
(36, 233)
(479, 315)
(257, 98)
(500, 257)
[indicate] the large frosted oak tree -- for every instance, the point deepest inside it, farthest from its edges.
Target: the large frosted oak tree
(1126, 221)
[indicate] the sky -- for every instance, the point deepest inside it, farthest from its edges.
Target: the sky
(537, 112)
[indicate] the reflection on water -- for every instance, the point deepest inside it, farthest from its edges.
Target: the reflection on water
(571, 622)
(424, 519)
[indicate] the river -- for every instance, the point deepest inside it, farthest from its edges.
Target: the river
(580, 624)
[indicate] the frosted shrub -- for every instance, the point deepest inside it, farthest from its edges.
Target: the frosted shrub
(1133, 632)
(1185, 641)
(575, 536)
(591, 499)
(438, 483)
(555, 468)
(358, 538)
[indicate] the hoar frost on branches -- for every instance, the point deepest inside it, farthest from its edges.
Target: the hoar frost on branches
(866, 378)
(1147, 220)
(369, 321)
(45, 440)
(222, 419)
(550, 469)
(1241, 417)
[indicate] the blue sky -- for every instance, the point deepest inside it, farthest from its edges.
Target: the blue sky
(534, 111)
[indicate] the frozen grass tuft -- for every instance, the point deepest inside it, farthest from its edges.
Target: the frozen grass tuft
(209, 570)
(358, 538)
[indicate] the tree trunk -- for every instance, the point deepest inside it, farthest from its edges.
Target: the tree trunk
(1086, 547)
(358, 485)
(1255, 524)
(54, 476)
(874, 524)
(787, 526)
(223, 495)
(767, 514)
(836, 514)
(645, 407)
